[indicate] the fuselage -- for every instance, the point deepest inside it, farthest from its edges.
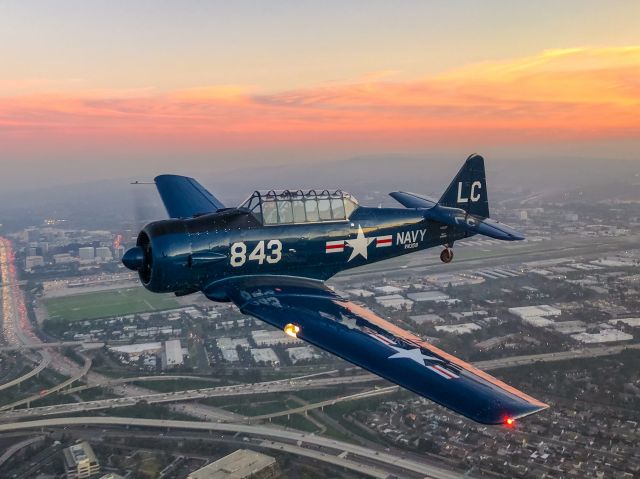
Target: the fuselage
(189, 255)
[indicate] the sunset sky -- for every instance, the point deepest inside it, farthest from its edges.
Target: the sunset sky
(108, 89)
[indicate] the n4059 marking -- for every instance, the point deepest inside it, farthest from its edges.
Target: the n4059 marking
(259, 253)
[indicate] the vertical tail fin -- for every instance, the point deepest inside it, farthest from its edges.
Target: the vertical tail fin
(468, 190)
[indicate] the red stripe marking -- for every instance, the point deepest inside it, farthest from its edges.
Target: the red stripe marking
(335, 246)
(445, 372)
(380, 241)
(384, 339)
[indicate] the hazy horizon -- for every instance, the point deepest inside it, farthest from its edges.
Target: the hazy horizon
(100, 90)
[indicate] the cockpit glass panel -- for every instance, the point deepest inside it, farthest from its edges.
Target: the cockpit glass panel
(324, 208)
(285, 213)
(297, 206)
(298, 211)
(337, 208)
(257, 211)
(311, 208)
(349, 206)
(270, 213)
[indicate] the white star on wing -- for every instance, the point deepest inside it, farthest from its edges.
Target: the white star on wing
(413, 354)
(359, 245)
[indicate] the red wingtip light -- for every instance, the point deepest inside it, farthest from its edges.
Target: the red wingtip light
(509, 421)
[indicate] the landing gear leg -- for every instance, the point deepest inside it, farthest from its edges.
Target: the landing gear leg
(447, 255)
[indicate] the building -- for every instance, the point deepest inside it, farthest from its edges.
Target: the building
(172, 354)
(103, 253)
(360, 293)
(262, 337)
(394, 301)
(241, 464)
(302, 353)
(422, 296)
(464, 328)
(265, 355)
(388, 289)
(87, 253)
(132, 352)
(80, 461)
(426, 319)
(230, 355)
(604, 336)
(118, 252)
(63, 258)
(33, 261)
(541, 311)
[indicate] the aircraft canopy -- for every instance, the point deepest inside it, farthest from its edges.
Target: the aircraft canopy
(276, 207)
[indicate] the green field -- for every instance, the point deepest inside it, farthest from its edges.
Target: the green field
(107, 303)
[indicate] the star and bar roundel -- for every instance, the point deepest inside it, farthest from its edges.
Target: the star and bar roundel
(359, 245)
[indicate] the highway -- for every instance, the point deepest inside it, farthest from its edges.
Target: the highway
(44, 362)
(17, 330)
(58, 387)
(328, 402)
(590, 352)
(16, 447)
(118, 381)
(52, 345)
(300, 439)
(188, 395)
(288, 385)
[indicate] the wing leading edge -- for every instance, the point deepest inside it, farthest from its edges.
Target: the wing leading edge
(366, 340)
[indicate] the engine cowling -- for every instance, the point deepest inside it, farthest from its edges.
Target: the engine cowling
(162, 257)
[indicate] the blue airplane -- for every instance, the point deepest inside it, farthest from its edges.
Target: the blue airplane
(271, 255)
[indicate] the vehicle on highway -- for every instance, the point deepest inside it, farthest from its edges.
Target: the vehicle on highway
(271, 255)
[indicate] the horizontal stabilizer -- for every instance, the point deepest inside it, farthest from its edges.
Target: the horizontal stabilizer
(411, 200)
(473, 224)
(184, 197)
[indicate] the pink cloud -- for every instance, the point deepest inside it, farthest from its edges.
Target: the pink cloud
(585, 93)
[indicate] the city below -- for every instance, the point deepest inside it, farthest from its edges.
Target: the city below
(101, 378)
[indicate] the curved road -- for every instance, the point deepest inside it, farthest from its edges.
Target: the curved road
(52, 390)
(299, 438)
(46, 360)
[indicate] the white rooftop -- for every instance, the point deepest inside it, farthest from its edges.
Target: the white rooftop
(535, 311)
(137, 348)
(173, 352)
(264, 355)
(464, 328)
(241, 464)
(605, 336)
(428, 296)
(633, 322)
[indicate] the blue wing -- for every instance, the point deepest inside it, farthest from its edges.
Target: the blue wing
(184, 197)
(359, 336)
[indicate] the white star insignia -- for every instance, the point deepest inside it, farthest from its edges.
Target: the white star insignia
(359, 245)
(413, 354)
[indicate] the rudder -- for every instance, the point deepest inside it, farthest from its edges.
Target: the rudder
(468, 190)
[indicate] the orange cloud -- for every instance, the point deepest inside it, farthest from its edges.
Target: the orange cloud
(574, 94)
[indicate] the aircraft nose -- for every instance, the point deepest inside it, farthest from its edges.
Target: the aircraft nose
(134, 258)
